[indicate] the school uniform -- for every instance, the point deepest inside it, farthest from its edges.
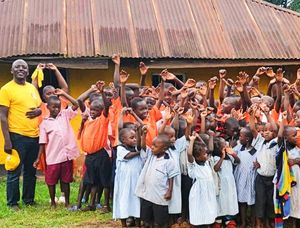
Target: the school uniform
(93, 140)
(264, 187)
(126, 203)
(61, 146)
(227, 197)
(153, 184)
(245, 175)
(175, 204)
(202, 199)
(294, 153)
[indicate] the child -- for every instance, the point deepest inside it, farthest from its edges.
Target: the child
(288, 136)
(93, 139)
(129, 166)
(155, 184)
(58, 142)
(224, 158)
(202, 199)
(266, 143)
(177, 146)
(245, 173)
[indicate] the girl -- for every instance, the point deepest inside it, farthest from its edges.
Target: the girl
(224, 158)
(202, 199)
(129, 164)
(245, 173)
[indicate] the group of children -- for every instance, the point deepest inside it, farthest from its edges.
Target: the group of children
(173, 156)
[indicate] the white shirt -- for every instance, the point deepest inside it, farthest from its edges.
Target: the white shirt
(266, 156)
(153, 182)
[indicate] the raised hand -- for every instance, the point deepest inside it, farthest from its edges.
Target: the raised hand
(284, 115)
(184, 92)
(238, 86)
(58, 92)
(230, 151)
(190, 83)
(165, 75)
(260, 71)
(143, 68)
(203, 113)
(41, 66)
(51, 66)
(243, 77)
(189, 117)
(100, 85)
(212, 82)
(270, 73)
(123, 76)
(222, 73)
(144, 130)
(116, 58)
(168, 114)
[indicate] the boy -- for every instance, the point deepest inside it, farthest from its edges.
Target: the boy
(93, 138)
(155, 184)
(58, 142)
(266, 144)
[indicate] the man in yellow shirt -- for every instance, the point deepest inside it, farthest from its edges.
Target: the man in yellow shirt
(19, 109)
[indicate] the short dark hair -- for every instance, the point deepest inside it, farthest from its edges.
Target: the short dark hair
(135, 101)
(52, 99)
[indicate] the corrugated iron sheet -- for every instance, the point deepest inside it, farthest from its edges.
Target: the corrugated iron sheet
(203, 29)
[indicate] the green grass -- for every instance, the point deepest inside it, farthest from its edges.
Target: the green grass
(42, 216)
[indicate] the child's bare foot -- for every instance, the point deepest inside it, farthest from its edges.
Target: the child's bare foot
(53, 206)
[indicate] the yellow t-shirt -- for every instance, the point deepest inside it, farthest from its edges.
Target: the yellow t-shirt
(20, 99)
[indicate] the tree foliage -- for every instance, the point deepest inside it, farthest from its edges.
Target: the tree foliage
(290, 4)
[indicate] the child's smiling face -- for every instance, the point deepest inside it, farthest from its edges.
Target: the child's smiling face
(129, 138)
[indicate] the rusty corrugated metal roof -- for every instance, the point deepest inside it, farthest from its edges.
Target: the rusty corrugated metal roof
(201, 29)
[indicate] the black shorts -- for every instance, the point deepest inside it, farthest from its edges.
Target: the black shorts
(98, 169)
(264, 190)
(153, 213)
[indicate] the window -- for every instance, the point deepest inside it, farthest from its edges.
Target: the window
(156, 79)
(49, 77)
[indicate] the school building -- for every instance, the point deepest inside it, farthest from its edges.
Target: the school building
(191, 38)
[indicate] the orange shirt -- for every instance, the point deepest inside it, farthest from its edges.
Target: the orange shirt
(94, 134)
(114, 113)
(150, 122)
(155, 113)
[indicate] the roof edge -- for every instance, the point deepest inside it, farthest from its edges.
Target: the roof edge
(262, 2)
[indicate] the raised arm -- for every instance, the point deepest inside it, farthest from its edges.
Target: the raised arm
(117, 61)
(143, 137)
(252, 121)
(222, 74)
(60, 92)
(60, 79)
(218, 165)
(143, 71)
(161, 94)
(4, 127)
(82, 98)
(123, 79)
(211, 96)
(106, 101)
(166, 119)
(190, 149)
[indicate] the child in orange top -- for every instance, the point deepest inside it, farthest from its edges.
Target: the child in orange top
(93, 139)
(140, 108)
